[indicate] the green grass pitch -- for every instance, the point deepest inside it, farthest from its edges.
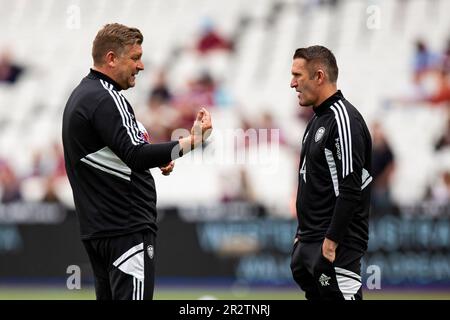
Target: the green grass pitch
(162, 293)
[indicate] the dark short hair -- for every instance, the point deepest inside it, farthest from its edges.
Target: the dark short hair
(114, 37)
(319, 56)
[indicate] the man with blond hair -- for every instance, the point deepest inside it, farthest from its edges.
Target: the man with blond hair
(108, 159)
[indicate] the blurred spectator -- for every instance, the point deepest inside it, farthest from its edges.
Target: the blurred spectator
(424, 65)
(160, 118)
(382, 168)
(9, 184)
(222, 97)
(237, 187)
(9, 71)
(304, 114)
(424, 60)
(211, 39)
(431, 78)
(332, 3)
(250, 138)
(268, 122)
(442, 92)
(47, 171)
(50, 185)
(311, 5)
(439, 192)
(253, 135)
(38, 167)
(444, 140)
(160, 88)
(57, 158)
(201, 92)
(58, 171)
(446, 59)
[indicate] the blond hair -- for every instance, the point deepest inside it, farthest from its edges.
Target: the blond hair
(114, 37)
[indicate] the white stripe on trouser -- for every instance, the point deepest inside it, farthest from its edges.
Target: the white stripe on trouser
(348, 286)
(138, 289)
(132, 263)
(129, 253)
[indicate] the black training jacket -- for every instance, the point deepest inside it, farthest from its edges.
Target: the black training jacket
(108, 159)
(333, 196)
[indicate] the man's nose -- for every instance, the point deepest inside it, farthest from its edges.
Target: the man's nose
(293, 83)
(140, 65)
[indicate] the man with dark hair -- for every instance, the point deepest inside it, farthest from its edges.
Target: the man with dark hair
(108, 159)
(334, 183)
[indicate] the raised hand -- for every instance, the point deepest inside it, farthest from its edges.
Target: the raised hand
(202, 127)
(168, 168)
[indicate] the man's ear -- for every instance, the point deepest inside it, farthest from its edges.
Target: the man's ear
(320, 76)
(111, 58)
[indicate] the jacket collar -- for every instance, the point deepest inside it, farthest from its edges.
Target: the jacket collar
(328, 102)
(94, 74)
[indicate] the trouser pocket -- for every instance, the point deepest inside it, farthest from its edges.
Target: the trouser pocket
(325, 277)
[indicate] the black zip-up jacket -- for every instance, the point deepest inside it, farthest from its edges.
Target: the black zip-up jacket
(107, 160)
(333, 196)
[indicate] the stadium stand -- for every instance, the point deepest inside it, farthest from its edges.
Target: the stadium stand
(52, 40)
